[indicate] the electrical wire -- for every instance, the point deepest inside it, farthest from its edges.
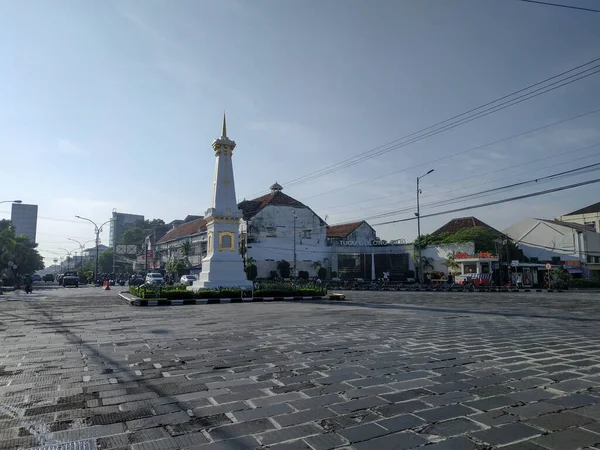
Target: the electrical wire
(481, 205)
(438, 128)
(559, 5)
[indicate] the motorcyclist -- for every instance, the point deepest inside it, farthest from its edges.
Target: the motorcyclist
(28, 282)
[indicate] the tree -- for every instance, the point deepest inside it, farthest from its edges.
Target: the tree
(105, 261)
(451, 263)
(134, 236)
(18, 249)
(284, 268)
(186, 250)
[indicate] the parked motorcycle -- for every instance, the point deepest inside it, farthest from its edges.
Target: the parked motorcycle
(28, 289)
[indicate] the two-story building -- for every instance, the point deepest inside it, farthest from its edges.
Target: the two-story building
(186, 243)
(278, 227)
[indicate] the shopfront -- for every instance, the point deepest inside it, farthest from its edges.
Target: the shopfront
(478, 267)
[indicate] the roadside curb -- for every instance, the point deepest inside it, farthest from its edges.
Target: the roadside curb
(135, 301)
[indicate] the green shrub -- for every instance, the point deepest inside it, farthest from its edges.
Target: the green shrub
(334, 274)
(303, 275)
(251, 272)
(273, 274)
(581, 283)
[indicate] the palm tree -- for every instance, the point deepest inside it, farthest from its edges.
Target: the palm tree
(451, 263)
(186, 250)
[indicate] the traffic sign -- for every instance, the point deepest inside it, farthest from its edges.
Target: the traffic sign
(548, 266)
(514, 263)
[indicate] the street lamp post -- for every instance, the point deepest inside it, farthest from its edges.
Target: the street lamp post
(97, 230)
(68, 252)
(418, 214)
(81, 248)
(11, 201)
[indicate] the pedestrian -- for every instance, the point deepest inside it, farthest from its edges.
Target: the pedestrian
(428, 278)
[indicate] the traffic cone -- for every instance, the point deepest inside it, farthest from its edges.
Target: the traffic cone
(107, 285)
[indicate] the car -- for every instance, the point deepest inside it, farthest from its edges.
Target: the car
(188, 279)
(154, 278)
(36, 277)
(136, 280)
(70, 279)
(48, 277)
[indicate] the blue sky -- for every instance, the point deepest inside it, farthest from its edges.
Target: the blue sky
(114, 104)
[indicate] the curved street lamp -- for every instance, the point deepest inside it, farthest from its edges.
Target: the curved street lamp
(97, 230)
(11, 201)
(81, 247)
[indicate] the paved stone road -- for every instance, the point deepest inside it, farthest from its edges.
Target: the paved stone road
(391, 371)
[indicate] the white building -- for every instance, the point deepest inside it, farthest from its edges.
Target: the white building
(574, 246)
(589, 216)
(278, 227)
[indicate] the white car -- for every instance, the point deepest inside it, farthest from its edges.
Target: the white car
(188, 279)
(154, 278)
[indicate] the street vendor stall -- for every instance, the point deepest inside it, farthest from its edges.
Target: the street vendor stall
(477, 268)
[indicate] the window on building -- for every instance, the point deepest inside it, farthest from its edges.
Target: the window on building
(597, 259)
(305, 234)
(556, 260)
(271, 232)
(590, 225)
(590, 258)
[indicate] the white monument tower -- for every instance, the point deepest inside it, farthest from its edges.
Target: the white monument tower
(223, 265)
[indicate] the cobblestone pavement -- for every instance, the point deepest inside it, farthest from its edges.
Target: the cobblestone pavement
(383, 371)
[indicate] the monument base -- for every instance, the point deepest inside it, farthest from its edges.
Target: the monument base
(226, 274)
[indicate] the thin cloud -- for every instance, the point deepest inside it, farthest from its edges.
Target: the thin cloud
(67, 147)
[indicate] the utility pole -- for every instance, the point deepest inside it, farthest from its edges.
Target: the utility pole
(418, 214)
(295, 217)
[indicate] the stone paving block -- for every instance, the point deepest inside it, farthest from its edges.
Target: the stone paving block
(259, 413)
(456, 443)
(398, 441)
(310, 415)
(356, 405)
(87, 433)
(576, 385)
(524, 445)
(364, 432)
(574, 400)
(489, 391)
(298, 444)
(411, 384)
(241, 443)
(559, 421)
(455, 386)
(314, 402)
(494, 418)
(240, 429)
(445, 412)
(533, 409)
(453, 427)
(278, 398)
(399, 408)
(531, 395)
(570, 439)
(506, 434)
(405, 395)
(448, 398)
(592, 411)
(156, 421)
(400, 423)
(289, 433)
(326, 441)
(489, 403)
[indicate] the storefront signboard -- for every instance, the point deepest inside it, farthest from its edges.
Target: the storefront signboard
(371, 243)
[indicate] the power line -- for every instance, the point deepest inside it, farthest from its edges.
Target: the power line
(481, 205)
(487, 182)
(485, 193)
(561, 6)
(431, 130)
(458, 199)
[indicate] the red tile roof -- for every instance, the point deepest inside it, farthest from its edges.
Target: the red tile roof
(462, 222)
(186, 229)
(250, 208)
(342, 230)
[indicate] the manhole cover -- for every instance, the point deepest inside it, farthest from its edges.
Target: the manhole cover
(77, 445)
